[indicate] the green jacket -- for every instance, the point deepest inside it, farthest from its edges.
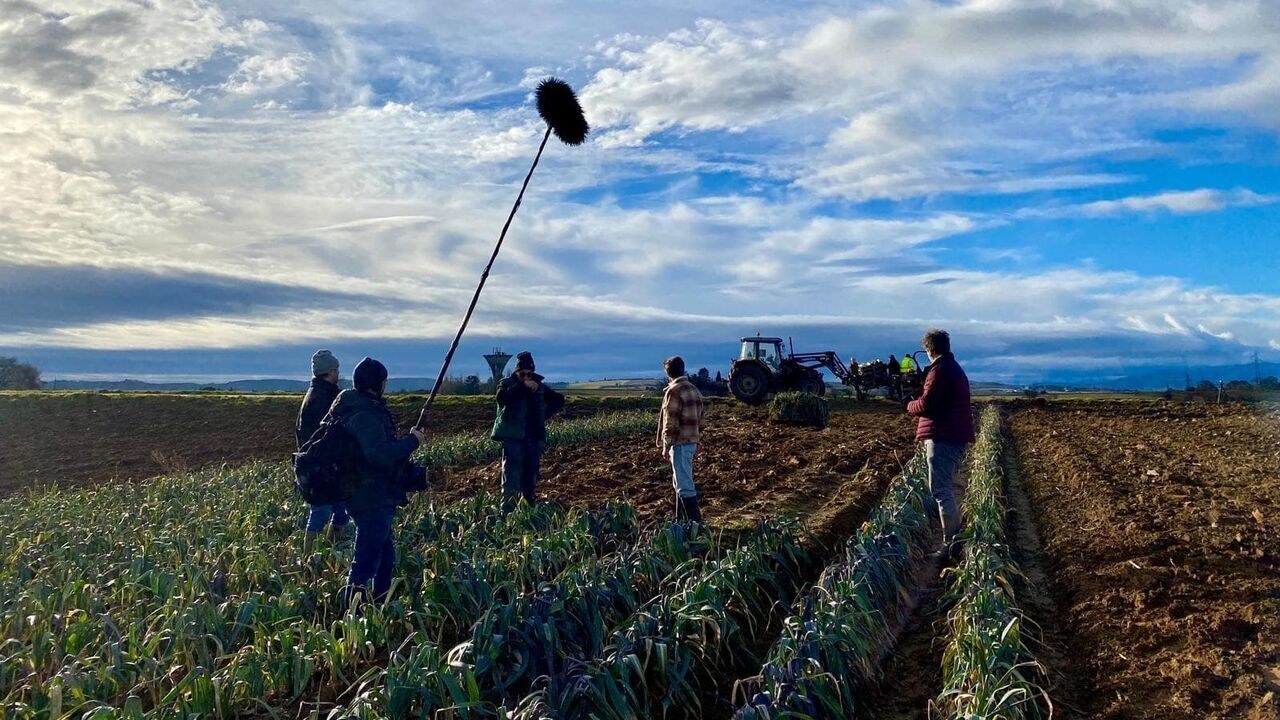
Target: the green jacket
(523, 413)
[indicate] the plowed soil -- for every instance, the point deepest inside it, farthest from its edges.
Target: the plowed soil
(1159, 524)
(746, 469)
(77, 438)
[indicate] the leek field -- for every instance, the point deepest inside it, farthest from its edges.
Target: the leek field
(187, 596)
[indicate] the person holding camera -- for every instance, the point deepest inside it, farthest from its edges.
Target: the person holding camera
(524, 405)
(384, 471)
(945, 425)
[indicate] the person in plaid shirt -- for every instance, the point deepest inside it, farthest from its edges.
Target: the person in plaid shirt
(679, 430)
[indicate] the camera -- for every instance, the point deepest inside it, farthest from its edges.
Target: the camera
(413, 477)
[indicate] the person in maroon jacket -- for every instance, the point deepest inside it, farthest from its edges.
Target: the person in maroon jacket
(945, 426)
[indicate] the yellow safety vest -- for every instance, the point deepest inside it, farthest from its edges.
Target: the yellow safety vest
(907, 364)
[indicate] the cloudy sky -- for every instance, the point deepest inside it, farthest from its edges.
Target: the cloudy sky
(215, 189)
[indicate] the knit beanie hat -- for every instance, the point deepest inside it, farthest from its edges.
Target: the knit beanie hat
(323, 362)
(524, 361)
(369, 375)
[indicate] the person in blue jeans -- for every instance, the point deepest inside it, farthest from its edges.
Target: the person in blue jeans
(945, 426)
(524, 405)
(379, 490)
(315, 405)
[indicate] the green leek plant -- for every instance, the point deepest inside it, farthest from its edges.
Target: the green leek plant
(660, 661)
(988, 670)
(831, 646)
(524, 636)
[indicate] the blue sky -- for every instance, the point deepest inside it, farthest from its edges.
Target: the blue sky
(214, 189)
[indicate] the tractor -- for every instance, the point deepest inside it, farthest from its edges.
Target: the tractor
(763, 368)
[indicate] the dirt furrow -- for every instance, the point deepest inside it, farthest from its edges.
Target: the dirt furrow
(1159, 526)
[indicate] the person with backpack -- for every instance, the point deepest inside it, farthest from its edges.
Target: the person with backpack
(377, 487)
(315, 405)
(524, 405)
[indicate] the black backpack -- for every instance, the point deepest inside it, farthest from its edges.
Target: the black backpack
(326, 467)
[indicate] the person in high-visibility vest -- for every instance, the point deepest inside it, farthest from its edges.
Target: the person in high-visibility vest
(908, 364)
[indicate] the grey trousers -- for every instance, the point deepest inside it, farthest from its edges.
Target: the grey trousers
(943, 459)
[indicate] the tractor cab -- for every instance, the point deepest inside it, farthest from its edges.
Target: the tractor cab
(767, 350)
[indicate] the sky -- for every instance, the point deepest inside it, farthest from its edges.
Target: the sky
(212, 189)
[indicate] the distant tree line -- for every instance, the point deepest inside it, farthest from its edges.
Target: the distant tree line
(16, 375)
(469, 385)
(702, 380)
(1270, 384)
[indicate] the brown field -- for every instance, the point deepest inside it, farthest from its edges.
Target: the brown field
(1146, 530)
(1159, 524)
(83, 437)
(746, 469)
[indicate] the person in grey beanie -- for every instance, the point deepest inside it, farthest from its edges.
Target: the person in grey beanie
(524, 405)
(315, 405)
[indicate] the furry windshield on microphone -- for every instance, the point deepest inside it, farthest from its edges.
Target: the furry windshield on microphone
(559, 107)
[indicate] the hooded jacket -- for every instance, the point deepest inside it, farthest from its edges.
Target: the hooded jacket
(383, 455)
(943, 407)
(523, 413)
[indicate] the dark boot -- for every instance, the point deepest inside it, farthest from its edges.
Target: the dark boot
(687, 509)
(691, 509)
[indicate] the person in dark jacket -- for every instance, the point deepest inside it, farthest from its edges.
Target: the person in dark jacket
(524, 405)
(379, 490)
(945, 426)
(315, 405)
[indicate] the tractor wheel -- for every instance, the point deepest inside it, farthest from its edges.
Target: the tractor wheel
(749, 383)
(811, 383)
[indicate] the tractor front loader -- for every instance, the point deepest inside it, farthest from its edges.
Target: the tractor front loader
(762, 368)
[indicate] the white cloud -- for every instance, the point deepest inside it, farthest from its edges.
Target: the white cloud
(104, 52)
(708, 77)
(976, 96)
(1179, 202)
(261, 73)
(1226, 335)
(1177, 326)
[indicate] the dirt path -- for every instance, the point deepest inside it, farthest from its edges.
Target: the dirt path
(1159, 523)
(1034, 592)
(911, 676)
